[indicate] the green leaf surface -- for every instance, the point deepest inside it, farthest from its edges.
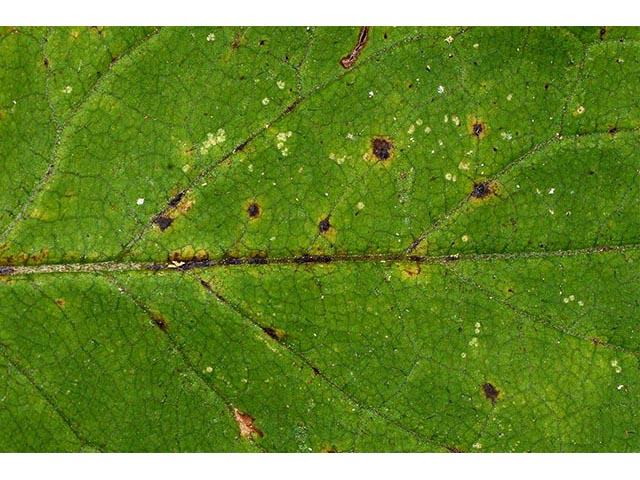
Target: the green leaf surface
(224, 239)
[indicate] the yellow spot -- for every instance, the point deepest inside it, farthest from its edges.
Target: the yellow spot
(209, 369)
(265, 101)
(579, 110)
(465, 238)
(412, 129)
(463, 166)
(211, 37)
(449, 39)
(473, 342)
(67, 89)
(360, 205)
(280, 84)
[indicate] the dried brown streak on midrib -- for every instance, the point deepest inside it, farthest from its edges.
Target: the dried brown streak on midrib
(288, 110)
(300, 261)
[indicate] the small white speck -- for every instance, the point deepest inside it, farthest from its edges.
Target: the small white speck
(552, 191)
(427, 130)
(510, 97)
(440, 89)
(140, 201)
(620, 387)
(412, 129)
(449, 39)
(265, 101)
(448, 176)
(476, 45)
(419, 122)
(473, 342)
(456, 120)
(280, 84)
(67, 89)
(580, 110)
(465, 238)
(477, 445)
(211, 37)
(463, 355)
(360, 205)
(371, 94)
(209, 369)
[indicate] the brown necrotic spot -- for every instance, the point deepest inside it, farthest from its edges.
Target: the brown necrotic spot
(324, 225)
(453, 449)
(613, 130)
(477, 128)
(490, 392)
(245, 424)
(163, 222)
(159, 321)
(274, 333)
(253, 210)
(382, 148)
(482, 189)
(603, 32)
(60, 302)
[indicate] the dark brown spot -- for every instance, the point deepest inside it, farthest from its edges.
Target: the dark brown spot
(613, 130)
(241, 147)
(206, 285)
(253, 210)
(272, 332)
(262, 42)
(482, 189)
(490, 392)
(159, 321)
(163, 222)
(477, 129)
(546, 86)
(176, 200)
(328, 450)
(382, 148)
(60, 302)
(603, 32)
(597, 341)
(46, 62)
(453, 449)
(324, 225)
(316, 372)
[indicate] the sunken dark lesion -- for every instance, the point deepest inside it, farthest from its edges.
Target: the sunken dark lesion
(491, 393)
(324, 225)
(483, 189)
(382, 148)
(478, 128)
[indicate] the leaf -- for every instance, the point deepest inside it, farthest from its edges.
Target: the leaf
(225, 239)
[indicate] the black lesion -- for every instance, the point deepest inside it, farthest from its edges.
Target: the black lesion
(324, 225)
(253, 210)
(382, 148)
(482, 189)
(163, 222)
(490, 392)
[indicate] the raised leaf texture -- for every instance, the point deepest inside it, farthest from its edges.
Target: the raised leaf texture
(221, 239)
